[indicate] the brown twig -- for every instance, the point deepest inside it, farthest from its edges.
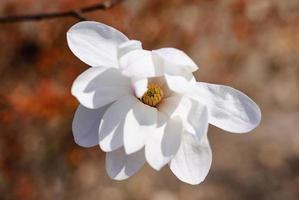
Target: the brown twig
(70, 13)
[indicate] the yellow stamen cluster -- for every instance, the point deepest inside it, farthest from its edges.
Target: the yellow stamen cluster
(153, 95)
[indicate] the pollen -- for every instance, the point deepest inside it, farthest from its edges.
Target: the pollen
(153, 95)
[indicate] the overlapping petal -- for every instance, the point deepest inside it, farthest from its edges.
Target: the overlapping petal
(147, 64)
(139, 85)
(174, 61)
(128, 46)
(164, 143)
(95, 43)
(139, 124)
(120, 166)
(139, 63)
(99, 86)
(193, 160)
(85, 125)
(229, 109)
(193, 114)
(112, 124)
(178, 84)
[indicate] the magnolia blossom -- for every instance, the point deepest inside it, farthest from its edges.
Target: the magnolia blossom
(145, 106)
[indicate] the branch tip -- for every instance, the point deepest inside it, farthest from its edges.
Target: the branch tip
(71, 13)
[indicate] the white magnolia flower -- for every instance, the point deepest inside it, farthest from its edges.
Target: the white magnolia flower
(141, 105)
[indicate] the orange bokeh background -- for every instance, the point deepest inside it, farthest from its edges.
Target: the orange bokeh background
(251, 45)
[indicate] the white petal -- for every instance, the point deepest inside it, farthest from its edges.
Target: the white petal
(95, 43)
(178, 84)
(139, 124)
(193, 114)
(85, 125)
(139, 86)
(228, 108)
(164, 143)
(112, 124)
(128, 46)
(120, 166)
(99, 86)
(193, 161)
(139, 63)
(174, 61)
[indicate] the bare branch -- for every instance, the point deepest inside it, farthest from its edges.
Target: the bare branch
(70, 13)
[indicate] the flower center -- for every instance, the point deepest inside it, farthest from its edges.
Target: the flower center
(153, 95)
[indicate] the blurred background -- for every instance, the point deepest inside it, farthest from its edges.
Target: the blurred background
(251, 45)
